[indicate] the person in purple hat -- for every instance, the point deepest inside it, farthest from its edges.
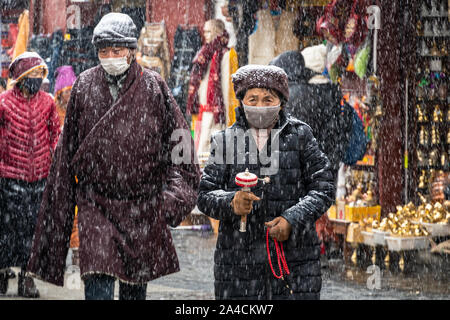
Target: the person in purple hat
(65, 77)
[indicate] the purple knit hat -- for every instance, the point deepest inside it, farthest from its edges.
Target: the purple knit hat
(64, 78)
(260, 76)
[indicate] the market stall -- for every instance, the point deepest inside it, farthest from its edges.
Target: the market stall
(407, 156)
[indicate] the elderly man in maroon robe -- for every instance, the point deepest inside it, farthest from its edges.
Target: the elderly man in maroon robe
(114, 162)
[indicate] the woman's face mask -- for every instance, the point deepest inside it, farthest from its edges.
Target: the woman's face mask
(31, 85)
(261, 107)
(261, 117)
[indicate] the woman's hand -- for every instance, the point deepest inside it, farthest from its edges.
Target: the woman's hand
(280, 229)
(242, 203)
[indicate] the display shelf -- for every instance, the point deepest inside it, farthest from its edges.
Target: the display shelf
(432, 99)
(8, 19)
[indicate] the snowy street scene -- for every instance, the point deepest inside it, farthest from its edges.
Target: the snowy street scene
(202, 151)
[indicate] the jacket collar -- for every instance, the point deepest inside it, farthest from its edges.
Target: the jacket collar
(133, 73)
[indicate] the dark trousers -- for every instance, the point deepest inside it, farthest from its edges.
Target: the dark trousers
(101, 287)
(19, 207)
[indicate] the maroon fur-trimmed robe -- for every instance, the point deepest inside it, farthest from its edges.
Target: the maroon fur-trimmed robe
(128, 189)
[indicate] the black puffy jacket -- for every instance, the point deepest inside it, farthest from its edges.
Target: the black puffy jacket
(300, 191)
(318, 105)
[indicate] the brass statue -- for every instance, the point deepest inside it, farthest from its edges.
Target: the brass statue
(437, 114)
(423, 136)
(421, 115)
(435, 138)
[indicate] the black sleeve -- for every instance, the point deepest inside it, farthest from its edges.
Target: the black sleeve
(213, 199)
(319, 183)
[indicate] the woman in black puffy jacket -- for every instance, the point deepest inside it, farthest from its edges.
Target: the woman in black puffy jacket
(283, 208)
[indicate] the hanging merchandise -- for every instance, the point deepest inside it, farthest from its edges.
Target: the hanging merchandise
(331, 24)
(431, 107)
(285, 39)
(208, 95)
(200, 73)
(13, 31)
(187, 41)
(261, 43)
(334, 54)
(273, 35)
(373, 94)
(357, 145)
(343, 21)
(101, 11)
(361, 60)
(78, 51)
(56, 43)
(304, 24)
(20, 37)
(233, 102)
(49, 48)
(137, 14)
(356, 26)
(8, 38)
(153, 48)
(41, 44)
(1, 49)
(243, 14)
(344, 26)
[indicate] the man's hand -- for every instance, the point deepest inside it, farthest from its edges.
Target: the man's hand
(280, 229)
(242, 203)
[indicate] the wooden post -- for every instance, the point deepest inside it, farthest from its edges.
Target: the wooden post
(390, 151)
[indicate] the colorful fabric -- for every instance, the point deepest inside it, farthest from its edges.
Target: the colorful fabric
(23, 35)
(74, 238)
(214, 95)
(233, 102)
(61, 113)
(216, 48)
(65, 77)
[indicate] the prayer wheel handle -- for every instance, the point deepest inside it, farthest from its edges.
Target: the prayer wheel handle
(246, 180)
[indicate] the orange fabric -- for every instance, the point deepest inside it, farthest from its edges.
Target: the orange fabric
(233, 101)
(62, 90)
(23, 35)
(74, 240)
(61, 114)
(20, 44)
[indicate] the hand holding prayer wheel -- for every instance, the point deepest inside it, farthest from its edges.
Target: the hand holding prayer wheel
(243, 200)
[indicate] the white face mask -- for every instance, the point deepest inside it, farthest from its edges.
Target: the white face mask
(261, 117)
(115, 66)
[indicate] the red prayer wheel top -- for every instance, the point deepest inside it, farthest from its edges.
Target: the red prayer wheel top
(246, 179)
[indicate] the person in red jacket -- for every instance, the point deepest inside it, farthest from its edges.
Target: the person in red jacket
(29, 132)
